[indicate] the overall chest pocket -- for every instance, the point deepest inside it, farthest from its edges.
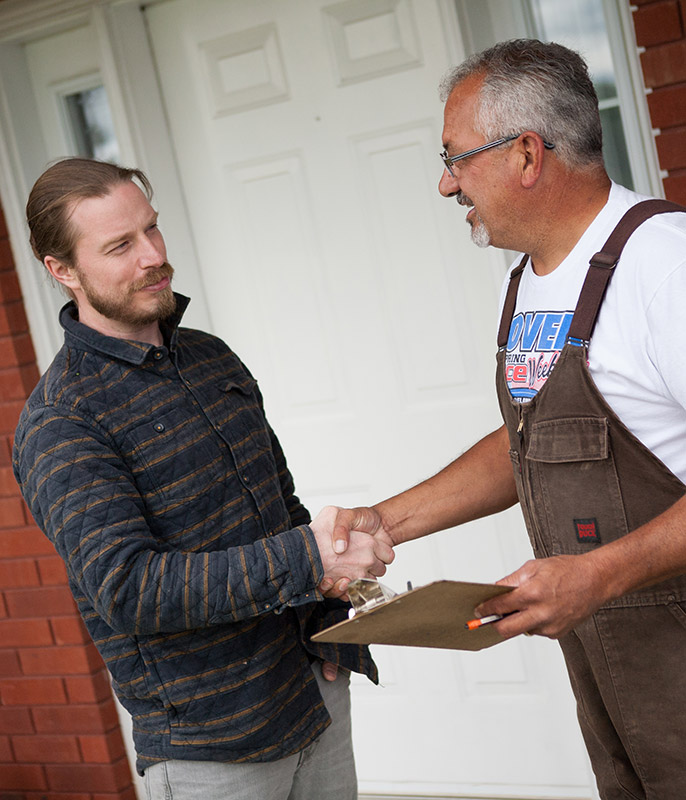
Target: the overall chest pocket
(576, 493)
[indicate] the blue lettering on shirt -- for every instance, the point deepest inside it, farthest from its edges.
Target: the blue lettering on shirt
(543, 331)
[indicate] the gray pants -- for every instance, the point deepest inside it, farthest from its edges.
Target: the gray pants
(323, 771)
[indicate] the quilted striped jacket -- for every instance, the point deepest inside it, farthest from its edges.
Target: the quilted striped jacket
(157, 477)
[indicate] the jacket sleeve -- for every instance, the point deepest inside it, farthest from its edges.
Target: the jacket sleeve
(84, 498)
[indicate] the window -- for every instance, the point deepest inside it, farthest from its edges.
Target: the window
(90, 124)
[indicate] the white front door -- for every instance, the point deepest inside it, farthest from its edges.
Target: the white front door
(307, 136)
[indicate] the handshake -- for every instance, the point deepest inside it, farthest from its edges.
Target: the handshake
(352, 544)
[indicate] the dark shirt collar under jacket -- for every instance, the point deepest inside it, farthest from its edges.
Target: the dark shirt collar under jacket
(76, 334)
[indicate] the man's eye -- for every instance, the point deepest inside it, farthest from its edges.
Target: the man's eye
(119, 247)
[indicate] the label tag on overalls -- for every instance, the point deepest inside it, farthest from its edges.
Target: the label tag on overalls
(587, 530)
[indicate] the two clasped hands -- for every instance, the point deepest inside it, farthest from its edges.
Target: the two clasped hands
(352, 544)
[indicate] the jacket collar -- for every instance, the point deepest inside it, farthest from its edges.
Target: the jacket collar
(85, 338)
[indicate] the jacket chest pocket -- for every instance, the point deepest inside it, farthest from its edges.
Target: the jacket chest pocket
(174, 456)
(575, 488)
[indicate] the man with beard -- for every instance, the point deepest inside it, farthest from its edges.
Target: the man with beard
(592, 390)
(145, 456)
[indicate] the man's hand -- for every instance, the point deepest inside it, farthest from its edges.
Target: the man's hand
(353, 519)
(551, 596)
(365, 556)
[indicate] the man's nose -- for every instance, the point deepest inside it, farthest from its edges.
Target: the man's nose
(152, 254)
(448, 185)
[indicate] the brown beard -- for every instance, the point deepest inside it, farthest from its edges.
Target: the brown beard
(119, 308)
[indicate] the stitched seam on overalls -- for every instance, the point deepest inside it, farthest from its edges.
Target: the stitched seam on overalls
(628, 744)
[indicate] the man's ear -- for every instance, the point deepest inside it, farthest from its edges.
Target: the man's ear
(61, 272)
(532, 151)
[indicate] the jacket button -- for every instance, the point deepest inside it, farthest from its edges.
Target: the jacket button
(159, 427)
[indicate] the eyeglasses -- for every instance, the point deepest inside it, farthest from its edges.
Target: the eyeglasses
(450, 160)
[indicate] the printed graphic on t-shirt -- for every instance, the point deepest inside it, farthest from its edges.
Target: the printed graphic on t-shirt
(533, 348)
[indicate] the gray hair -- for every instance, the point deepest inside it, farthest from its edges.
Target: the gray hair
(536, 86)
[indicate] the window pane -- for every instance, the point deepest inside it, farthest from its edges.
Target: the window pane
(614, 147)
(91, 124)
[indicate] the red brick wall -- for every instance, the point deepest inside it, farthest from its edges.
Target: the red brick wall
(59, 730)
(661, 29)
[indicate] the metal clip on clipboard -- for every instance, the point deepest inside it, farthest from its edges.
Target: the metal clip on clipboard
(367, 593)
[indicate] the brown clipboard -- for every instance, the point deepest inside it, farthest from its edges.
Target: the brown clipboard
(429, 616)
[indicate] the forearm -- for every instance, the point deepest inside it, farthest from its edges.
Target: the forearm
(553, 595)
(478, 483)
(652, 553)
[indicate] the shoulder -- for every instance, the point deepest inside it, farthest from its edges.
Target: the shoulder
(201, 350)
(655, 252)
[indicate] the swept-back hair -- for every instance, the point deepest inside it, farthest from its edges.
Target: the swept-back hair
(55, 194)
(536, 86)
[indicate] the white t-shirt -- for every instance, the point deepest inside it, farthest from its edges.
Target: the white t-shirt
(637, 355)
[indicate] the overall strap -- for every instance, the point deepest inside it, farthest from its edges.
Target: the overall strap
(510, 301)
(603, 263)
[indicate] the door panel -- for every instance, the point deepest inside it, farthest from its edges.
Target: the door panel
(307, 136)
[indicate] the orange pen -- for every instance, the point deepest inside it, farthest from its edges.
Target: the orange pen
(473, 624)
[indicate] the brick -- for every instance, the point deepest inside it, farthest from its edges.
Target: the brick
(6, 752)
(15, 720)
(69, 630)
(8, 484)
(667, 106)
(18, 572)
(25, 632)
(11, 512)
(16, 350)
(54, 795)
(13, 318)
(46, 749)
(88, 688)
(69, 660)
(123, 794)
(657, 23)
(26, 540)
(9, 664)
(9, 287)
(6, 257)
(52, 571)
(664, 64)
(89, 777)
(76, 719)
(17, 383)
(671, 148)
(3, 606)
(32, 692)
(9, 415)
(5, 452)
(43, 601)
(47, 795)
(23, 776)
(103, 749)
(675, 188)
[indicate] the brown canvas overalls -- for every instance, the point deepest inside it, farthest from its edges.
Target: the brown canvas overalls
(584, 480)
